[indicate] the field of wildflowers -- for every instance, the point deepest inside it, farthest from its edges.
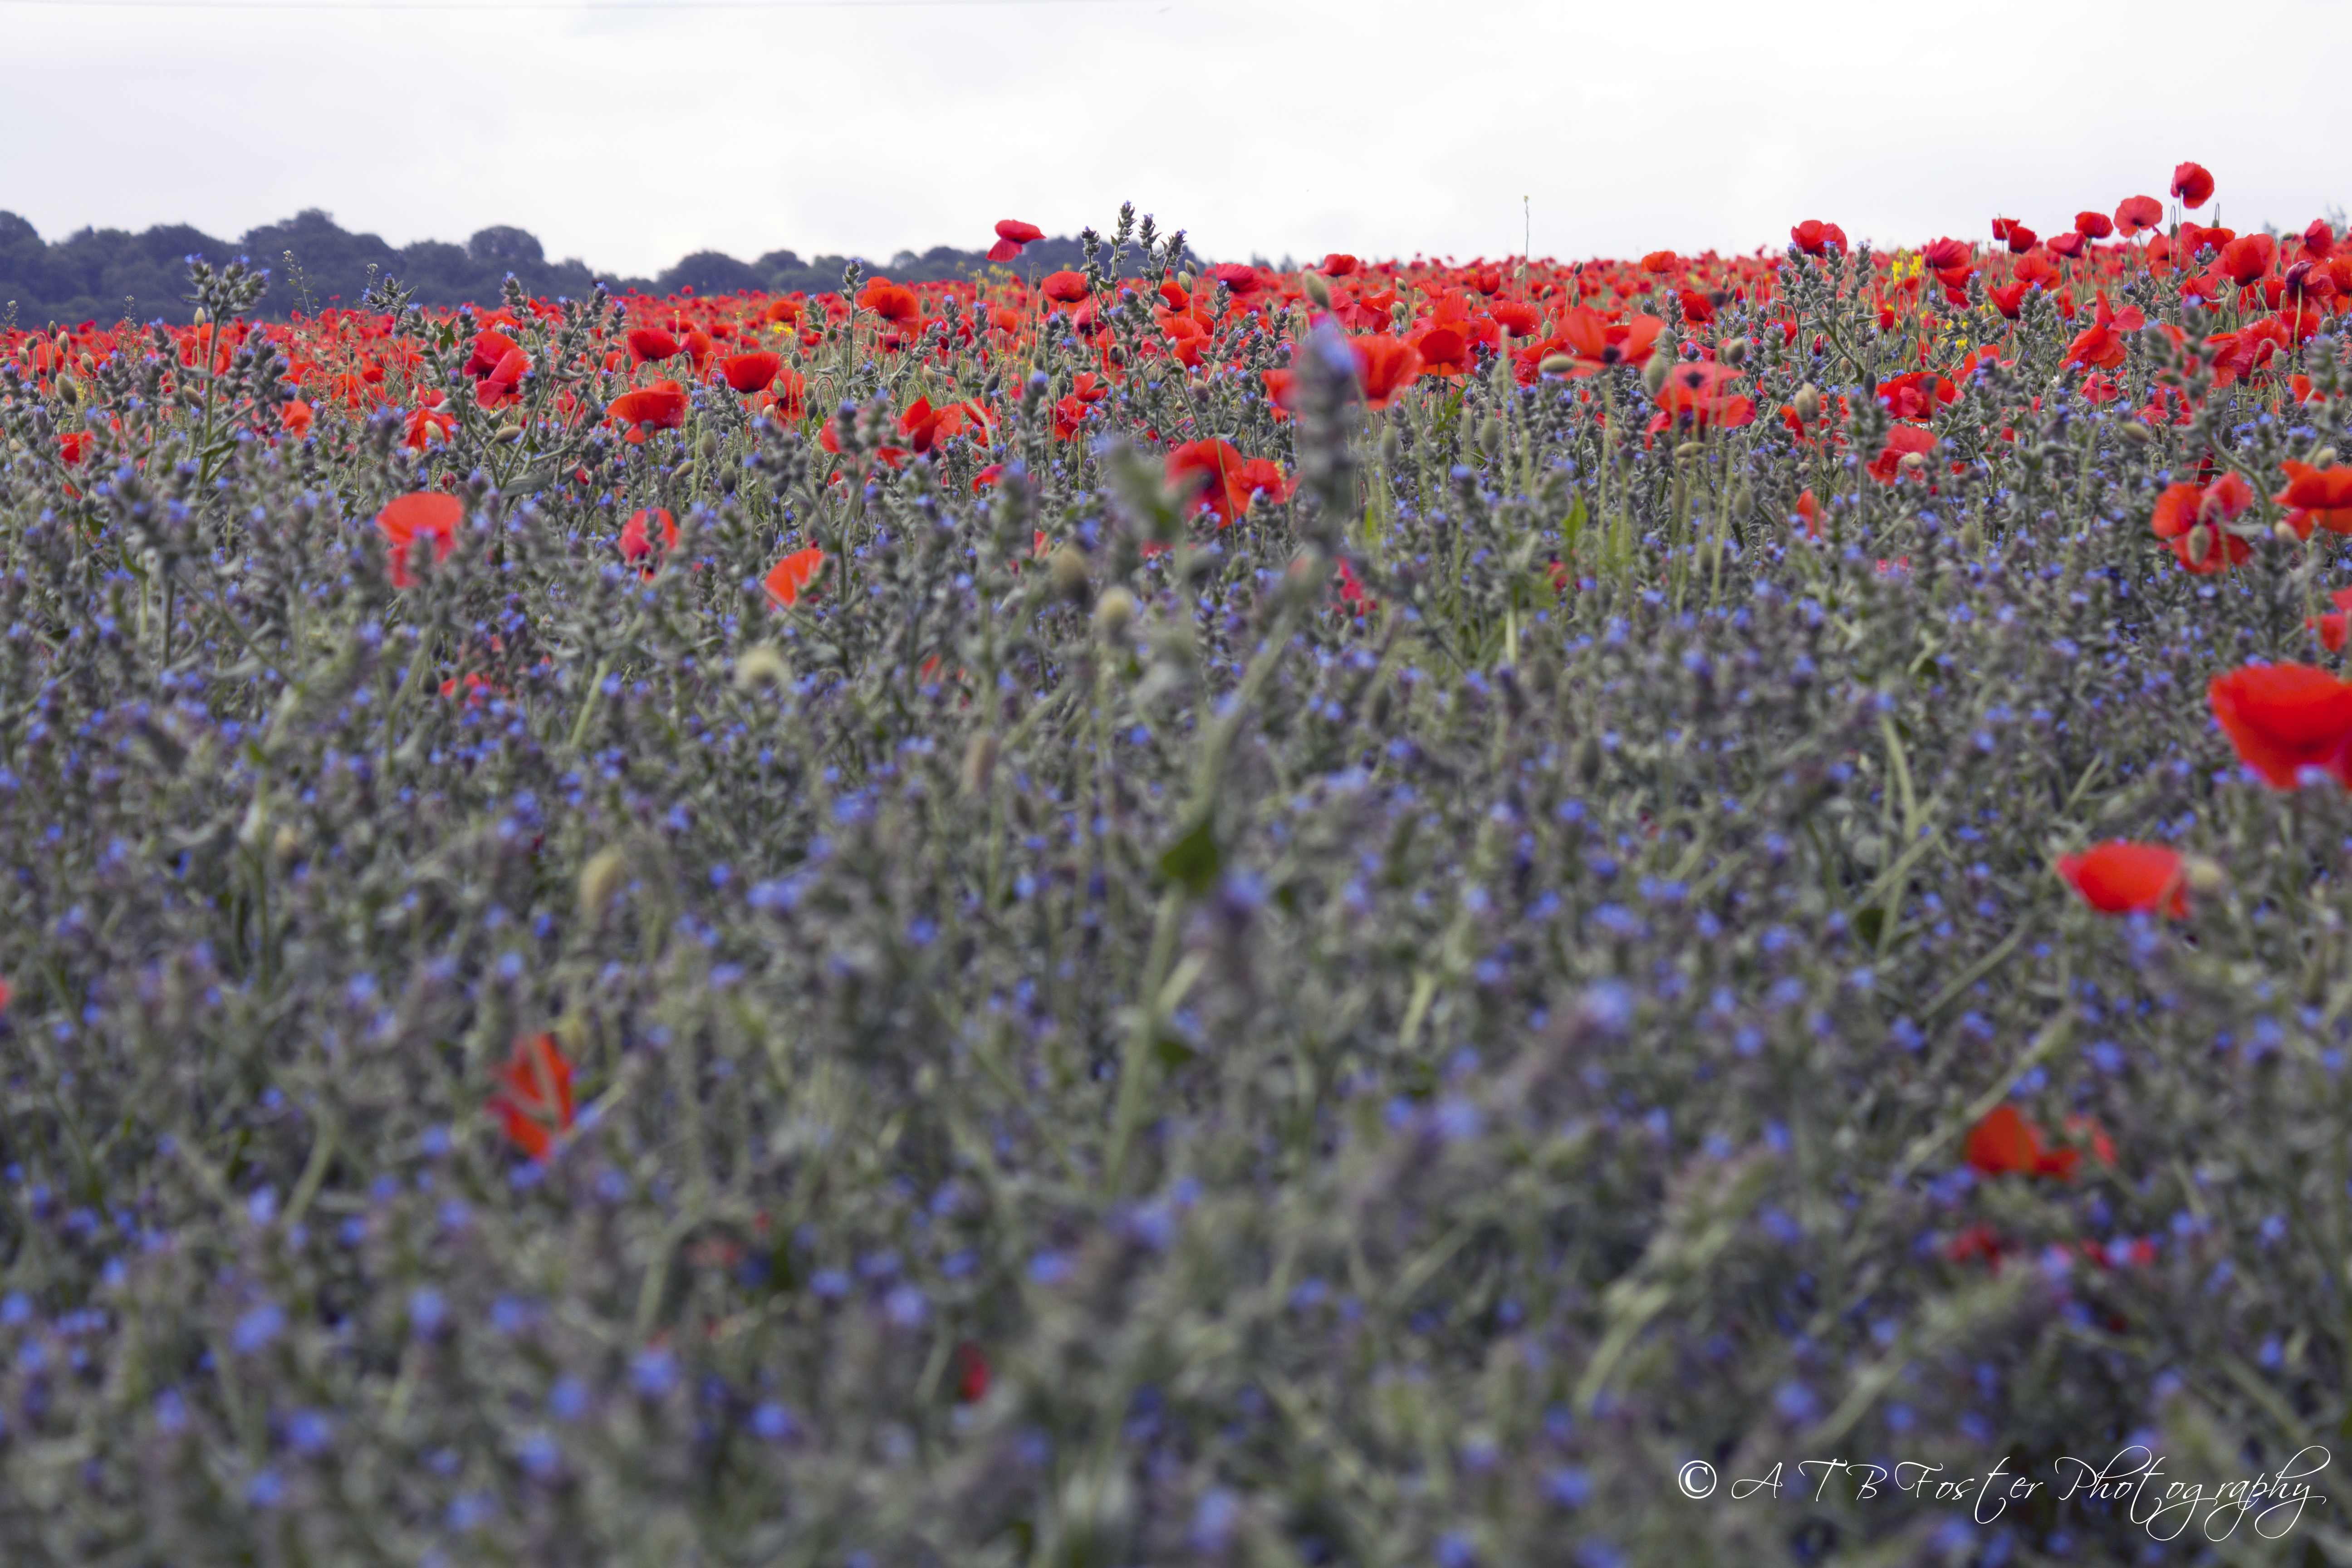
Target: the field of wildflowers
(1165, 914)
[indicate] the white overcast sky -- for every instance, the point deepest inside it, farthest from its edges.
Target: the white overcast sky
(1381, 127)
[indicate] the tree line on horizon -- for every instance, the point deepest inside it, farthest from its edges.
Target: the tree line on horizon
(111, 274)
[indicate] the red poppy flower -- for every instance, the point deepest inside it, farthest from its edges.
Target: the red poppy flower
(2333, 625)
(1443, 349)
(2248, 257)
(72, 447)
(1340, 265)
(789, 395)
(1065, 288)
(1946, 254)
(2319, 496)
(1012, 234)
(648, 409)
(651, 345)
(428, 423)
(751, 373)
(2093, 226)
(2183, 509)
(425, 514)
(2119, 878)
(1213, 468)
(2101, 344)
(534, 1099)
(2134, 215)
(295, 417)
(894, 302)
(1698, 395)
(1239, 276)
(2319, 240)
(1903, 441)
(1979, 1240)
(1385, 366)
(1916, 393)
(2006, 1143)
(971, 1373)
(1596, 344)
(2193, 184)
(638, 534)
(790, 577)
(1517, 317)
(1814, 238)
(2009, 299)
(1658, 262)
(2284, 718)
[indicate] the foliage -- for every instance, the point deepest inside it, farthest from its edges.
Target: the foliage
(1366, 1030)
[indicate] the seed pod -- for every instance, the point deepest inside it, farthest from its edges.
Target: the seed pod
(979, 763)
(599, 879)
(2201, 544)
(1807, 403)
(1113, 613)
(1067, 568)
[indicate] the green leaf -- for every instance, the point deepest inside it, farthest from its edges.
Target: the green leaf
(1193, 861)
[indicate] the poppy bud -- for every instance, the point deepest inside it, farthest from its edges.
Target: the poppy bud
(202, 317)
(979, 763)
(89, 365)
(70, 389)
(2203, 875)
(763, 663)
(1733, 352)
(1690, 449)
(1912, 463)
(1588, 759)
(1318, 287)
(599, 879)
(1557, 365)
(512, 431)
(2200, 544)
(2137, 433)
(2324, 458)
(1068, 572)
(708, 444)
(1653, 374)
(1807, 402)
(1113, 613)
(1743, 503)
(285, 843)
(1389, 447)
(1490, 436)
(2284, 532)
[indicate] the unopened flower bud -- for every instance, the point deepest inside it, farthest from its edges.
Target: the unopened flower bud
(1114, 613)
(1690, 449)
(1653, 374)
(1068, 571)
(2324, 458)
(2136, 433)
(1912, 463)
(761, 665)
(2284, 532)
(708, 444)
(2201, 544)
(1807, 403)
(1557, 365)
(1490, 436)
(1318, 287)
(979, 763)
(601, 878)
(1733, 352)
(510, 431)
(2203, 875)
